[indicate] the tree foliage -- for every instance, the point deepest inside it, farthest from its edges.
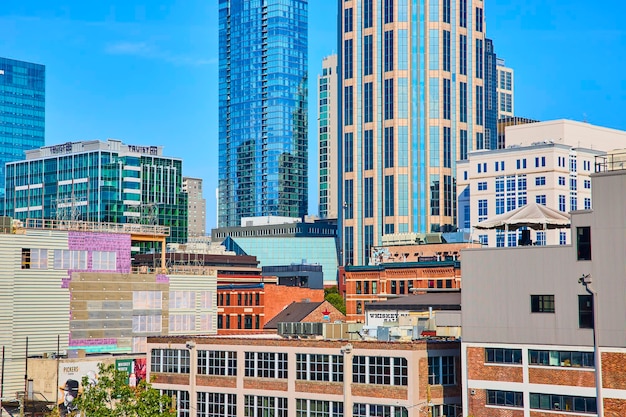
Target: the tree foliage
(332, 296)
(111, 396)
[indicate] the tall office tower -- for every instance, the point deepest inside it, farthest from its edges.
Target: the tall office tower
(413, 104)
(262, 109)
(196, 207)
(22, 110)
(327, 84)
(491, 97)
(506, 90)
(99, 182)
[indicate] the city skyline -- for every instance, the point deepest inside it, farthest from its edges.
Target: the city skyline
(148, 74)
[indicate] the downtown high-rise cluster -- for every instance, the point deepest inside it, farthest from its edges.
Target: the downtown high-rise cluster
(415, 87)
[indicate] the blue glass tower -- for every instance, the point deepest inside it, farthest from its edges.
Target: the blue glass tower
(22, 111)
(262, 109)
(491, 97)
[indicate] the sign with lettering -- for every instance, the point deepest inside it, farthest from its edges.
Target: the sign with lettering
(62, 148)
(150, 150)
(378, 317)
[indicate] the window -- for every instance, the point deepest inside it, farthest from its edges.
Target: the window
(312, 367)
(388, 58)
(479, 19)
(368, 55)
(147, 300)
(446, 11)
(368, 145)
(463, 13)
(389, 195)
(540, 181)
(389, 151)
(583, 243)
(446, 50)
(170, 361)
(103, 261)
(446, 99)
(562, 181)
(216, 405)
(348, 105)
(182, 300)
(368, 103)
(587, 203)
(70, 259)
(380, 370)
(368, 14)
(482, 210)
(482, 186)
(585, 311)
(542, 303)
(561, 358)
(441, 370)
(587, 183)
(217, 362)
(463, 54)
(540, 199)
(34, 258)
(266, 406)
(505, 398)
(182, 405)
(318, 408)
(182, 322)
(562, 402)
(266, 365)
(147, 324)
(388, 99)
(347, 20)
(389, 11)
(502, 355)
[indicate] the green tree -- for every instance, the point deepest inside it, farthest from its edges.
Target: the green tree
(332, 296)
(111, 396)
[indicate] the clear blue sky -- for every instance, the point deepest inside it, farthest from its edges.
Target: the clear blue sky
(145, 71)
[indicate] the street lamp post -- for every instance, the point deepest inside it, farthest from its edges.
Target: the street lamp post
(585, 280)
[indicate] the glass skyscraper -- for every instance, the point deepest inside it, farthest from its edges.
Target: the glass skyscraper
(99, 182)
(22, 111)
(412, 91)
(262, 109)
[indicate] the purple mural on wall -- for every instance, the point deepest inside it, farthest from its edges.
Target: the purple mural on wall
(104, 242)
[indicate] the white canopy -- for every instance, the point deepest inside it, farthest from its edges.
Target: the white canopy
(533, 215)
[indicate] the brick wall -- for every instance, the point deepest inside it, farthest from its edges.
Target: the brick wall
(614, 407)
(330, 388)
(277, 297)
(176, 379)
(614, 371)
(477, 369)
(264, 384)
(379, 391)
(216, 381)
(557, 376)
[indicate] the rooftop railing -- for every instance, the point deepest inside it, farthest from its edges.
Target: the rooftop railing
(615, 161)
(103, 227)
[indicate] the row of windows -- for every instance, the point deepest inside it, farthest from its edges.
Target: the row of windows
(243, 299)
(33, 258)
(313, 367)
(380, 370)
(542, 401)
(540, 357)
(243, 321)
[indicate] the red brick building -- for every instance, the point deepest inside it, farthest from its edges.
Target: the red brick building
(245, 308)
(369, 284)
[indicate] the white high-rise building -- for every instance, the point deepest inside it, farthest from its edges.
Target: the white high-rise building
(328, 138)
(548, 163)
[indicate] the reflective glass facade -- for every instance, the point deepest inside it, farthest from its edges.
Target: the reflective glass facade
(99, 182)
(22, 110)
(491, 96)
(262, 109)
(413, 100)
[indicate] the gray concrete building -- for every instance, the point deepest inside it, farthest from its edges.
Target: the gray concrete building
(528, 322)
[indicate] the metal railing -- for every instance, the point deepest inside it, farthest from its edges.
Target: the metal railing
(615, 161)
(83, 226)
